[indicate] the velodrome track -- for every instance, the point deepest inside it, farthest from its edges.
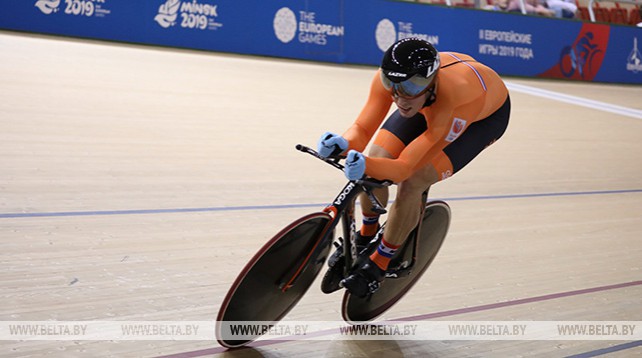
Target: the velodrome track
(136, 182)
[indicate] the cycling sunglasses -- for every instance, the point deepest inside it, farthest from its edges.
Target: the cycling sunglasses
(411, 88)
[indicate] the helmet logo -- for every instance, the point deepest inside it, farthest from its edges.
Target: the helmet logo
(397, 74)
(432, 68)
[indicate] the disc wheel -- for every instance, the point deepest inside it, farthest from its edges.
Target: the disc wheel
(436, 221)
(258, 292)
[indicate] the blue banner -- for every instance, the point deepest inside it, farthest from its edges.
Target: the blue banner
(340, 31)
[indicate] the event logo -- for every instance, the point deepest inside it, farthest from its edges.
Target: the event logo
(634, 62)
(285, 25)
(74, 7)
(579, 57)
(193, 15)
(386, 34)
(48, 6)
(167, 13)
(309, 31)
(582, 59)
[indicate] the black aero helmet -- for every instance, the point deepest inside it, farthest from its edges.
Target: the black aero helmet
(409, 67)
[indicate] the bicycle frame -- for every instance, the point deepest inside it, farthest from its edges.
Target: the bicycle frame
(283, 269)
(341, 209)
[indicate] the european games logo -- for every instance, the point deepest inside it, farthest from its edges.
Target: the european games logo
(387, 34)
(309, 30)
(285, 25)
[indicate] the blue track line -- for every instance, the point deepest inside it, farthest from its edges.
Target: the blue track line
(290, 206)
(603, 351)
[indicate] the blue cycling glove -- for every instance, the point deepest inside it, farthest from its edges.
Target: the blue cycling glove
(331, 144)
(355, 165)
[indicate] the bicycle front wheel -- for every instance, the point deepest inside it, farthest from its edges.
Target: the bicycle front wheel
(257, 294)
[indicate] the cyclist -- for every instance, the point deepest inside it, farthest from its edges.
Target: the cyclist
(449, 108)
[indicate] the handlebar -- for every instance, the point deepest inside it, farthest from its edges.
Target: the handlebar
(332, 161)
(367, 184)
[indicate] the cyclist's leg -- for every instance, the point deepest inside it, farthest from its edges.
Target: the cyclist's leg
(403, 216)
(404, 212)
(370, 222)
(396, 133)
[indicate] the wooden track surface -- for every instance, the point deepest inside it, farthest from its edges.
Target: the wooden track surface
(136, 182)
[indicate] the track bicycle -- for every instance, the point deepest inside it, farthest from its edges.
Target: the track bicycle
(282, 271)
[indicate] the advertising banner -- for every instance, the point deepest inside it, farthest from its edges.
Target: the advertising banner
(339, 31)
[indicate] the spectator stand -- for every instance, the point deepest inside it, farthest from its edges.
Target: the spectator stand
(587, 11)
(617, 14)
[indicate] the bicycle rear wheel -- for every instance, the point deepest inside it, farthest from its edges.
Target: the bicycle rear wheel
(257, 294)
(434, 227)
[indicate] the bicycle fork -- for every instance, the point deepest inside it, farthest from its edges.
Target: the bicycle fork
(342, 207)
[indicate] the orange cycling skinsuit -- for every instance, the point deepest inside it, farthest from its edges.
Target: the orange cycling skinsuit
(449, 109)
(470, 112)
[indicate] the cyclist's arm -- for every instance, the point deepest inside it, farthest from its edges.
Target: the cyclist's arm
(430, 143)
(427, 146)
(371, 116)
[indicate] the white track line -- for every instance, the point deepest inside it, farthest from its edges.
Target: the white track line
(602, 106)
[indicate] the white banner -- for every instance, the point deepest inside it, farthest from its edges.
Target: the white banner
(318, 330)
